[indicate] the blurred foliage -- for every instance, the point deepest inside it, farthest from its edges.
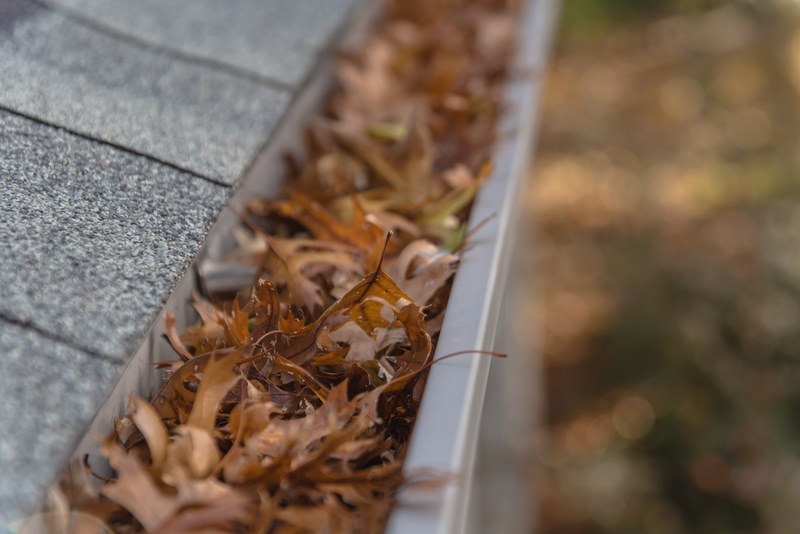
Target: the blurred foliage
(667, 204)
(590, 17)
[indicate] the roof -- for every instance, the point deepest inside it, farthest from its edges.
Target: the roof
(123, 127)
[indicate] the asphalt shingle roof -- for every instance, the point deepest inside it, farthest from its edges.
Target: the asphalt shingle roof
(201, 119)
(92, 238)
(274, 39)
(123, 126)
(49, 390)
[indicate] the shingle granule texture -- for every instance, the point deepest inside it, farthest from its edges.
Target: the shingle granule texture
(97, 226)
(92, 239)
(49, 392)
(208, 121)
(276, 39)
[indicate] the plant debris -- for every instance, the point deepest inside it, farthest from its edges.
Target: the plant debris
(292, 400)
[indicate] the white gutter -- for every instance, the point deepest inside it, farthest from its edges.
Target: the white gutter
(446, 431)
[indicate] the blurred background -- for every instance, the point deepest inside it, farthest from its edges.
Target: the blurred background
(663, 274)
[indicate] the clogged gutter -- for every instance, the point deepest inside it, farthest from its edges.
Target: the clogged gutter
(289, 406)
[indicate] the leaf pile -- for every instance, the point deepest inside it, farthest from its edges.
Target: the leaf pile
(294, 396)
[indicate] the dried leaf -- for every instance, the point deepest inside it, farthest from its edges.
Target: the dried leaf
(219, 376)
(358, 233)
(170, 327)
(152, 428)
(291, 263)
(134, 489)
(192, 450)
(422, 269)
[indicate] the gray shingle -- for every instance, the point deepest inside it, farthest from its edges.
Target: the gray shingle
(92, 239)
(208, 121)
(277, 39)
(50, 391)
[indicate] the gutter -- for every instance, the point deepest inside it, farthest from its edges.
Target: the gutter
(447, 427)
